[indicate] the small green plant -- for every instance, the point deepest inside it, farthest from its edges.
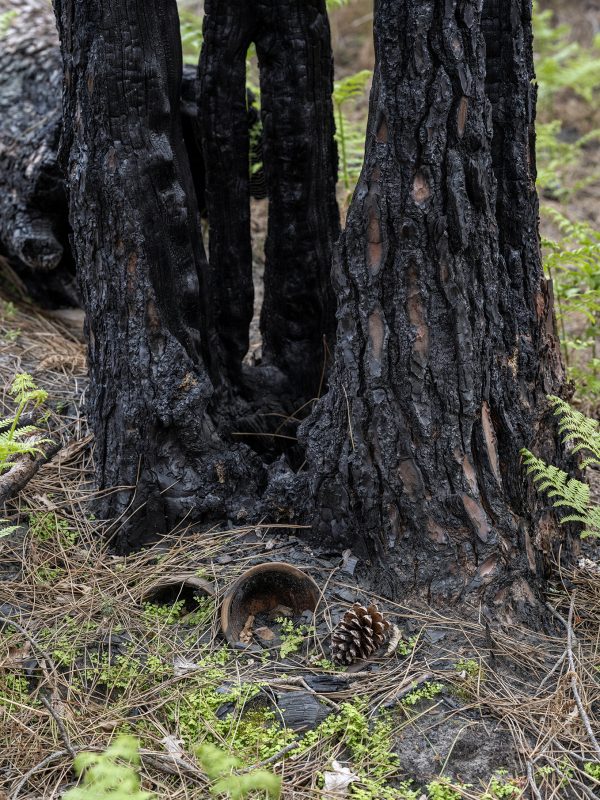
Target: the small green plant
(592, 768)
(47, 575)
(220, 768)
(292, 637)
(406, 647)
(113, 774)
(563, 491)
(155, 614)
(370, 748)
(469, 666)
(49, 527)
(326, 664)
(502, 787)
(573, 264)
(27, 397)
(14, 690)
(8, 529)
(427, 691)
(443, 789)
(202, 615)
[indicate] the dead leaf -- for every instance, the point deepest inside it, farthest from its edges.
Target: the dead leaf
(337, 781)
(173, 746)
(183, 666)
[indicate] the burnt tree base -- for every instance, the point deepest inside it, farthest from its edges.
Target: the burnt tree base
(445, 343)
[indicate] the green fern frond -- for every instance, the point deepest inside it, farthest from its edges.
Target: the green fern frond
(7, 531)
(351, 87)
(575, 427)
(22, 382)
(350, 135)
(563, 491)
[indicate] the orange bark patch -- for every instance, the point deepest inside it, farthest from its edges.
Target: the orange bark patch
(374, 240)
(376, 333)
(491, 441)
(461, 117)
(477, 516)
(374, 235)
(421, 191)
(488, 567)
(131, 272)
(469, 473)
(152, 316)
(540, 304)
(382, 133)
(411, 477)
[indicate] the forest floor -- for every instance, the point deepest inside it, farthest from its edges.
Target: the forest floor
(90, 647)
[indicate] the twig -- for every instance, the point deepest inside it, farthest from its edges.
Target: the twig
(409, 685)
(162, 762)
(551, 672)
(43, 763)
(532, 784)
(272, 759)
(59, 724)
(19, 476)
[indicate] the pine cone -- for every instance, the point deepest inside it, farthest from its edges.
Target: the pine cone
(360, 632)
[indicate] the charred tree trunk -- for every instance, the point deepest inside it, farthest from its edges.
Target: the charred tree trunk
(296, 67)
(445, 345)
(34, 227)
(142, 270)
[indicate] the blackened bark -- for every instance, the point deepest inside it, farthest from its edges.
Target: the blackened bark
(142, 270)
(413, 454)
(33, 206)
(296, 67)
(300, 161)
(227, 34)
(34, 228)
(531, 367)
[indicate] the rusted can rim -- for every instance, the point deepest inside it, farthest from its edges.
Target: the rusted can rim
(302, 594)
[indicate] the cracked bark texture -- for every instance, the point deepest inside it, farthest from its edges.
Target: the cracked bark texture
(142, 270)
(33, 203)
(300, 165)
(34, 228)
(445, 343)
